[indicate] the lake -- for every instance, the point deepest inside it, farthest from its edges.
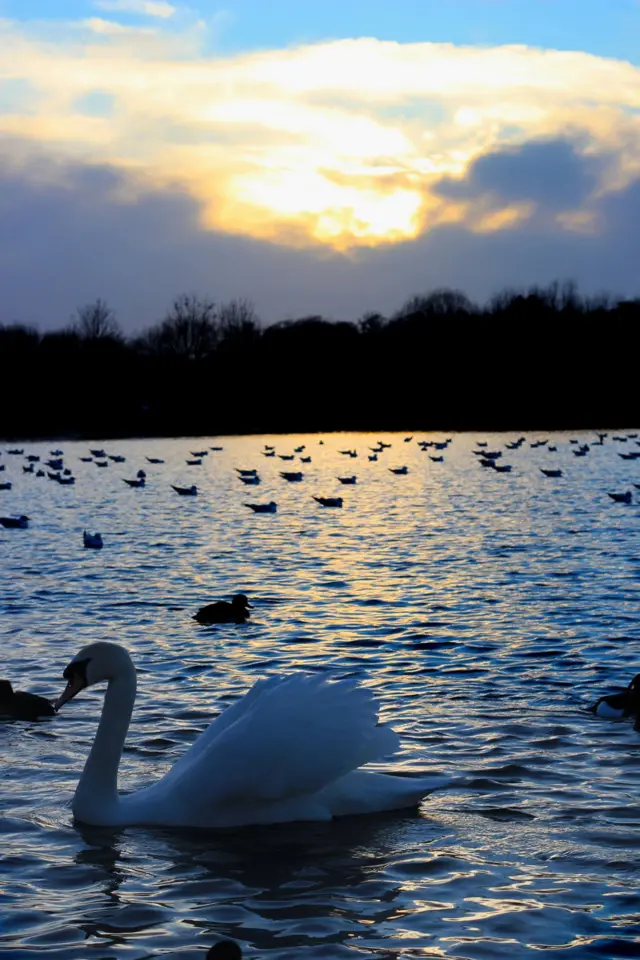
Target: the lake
(486, 609)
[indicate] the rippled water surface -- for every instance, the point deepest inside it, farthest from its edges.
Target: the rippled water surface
(486, 610)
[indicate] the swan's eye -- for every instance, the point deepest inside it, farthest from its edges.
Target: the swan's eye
(77, 668)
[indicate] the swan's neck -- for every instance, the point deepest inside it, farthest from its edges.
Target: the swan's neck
(97, 791)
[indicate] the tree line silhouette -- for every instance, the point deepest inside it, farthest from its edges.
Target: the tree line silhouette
(543, 358)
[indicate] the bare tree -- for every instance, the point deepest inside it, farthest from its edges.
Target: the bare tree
(441, 302)
(238, 321)
(97, 321)
(190, 330)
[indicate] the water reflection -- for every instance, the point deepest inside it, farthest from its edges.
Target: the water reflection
(486, 612)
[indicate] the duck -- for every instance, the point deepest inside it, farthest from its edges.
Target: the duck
(117, 458)
(6, 485)
(191, 491)
(619, 705)
(329, 501)
(216, 449)
(436, 459)
(15, 523)
(86, 459)
(373, 457)
(268, 453)
(299, 449)
(224, 612)
(252, 480)
(199, 453)
(19, 705)
(551, 473)
(246, 473)
(193, 463)
(502, 467)
(401, 471)
(621, 497)
(92, 541)
(224, 950)
(66, 481)
(99, 454)
(286, 456)
(138, 482)
(270, 507)
(292, 477)
(101, 463)
(154, 460)
(305, 459)
(347, 479)
(291, 749)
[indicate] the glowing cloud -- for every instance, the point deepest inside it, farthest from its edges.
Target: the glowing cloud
(344, 142)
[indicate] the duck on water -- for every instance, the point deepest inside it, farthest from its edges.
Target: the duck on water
(223, 612)
(19, 705)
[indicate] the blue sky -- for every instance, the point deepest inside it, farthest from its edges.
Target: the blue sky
(324, 157)
(604, 27)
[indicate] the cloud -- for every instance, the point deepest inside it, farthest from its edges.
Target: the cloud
(72, 231)
(148, 8)
(550, 173)
(343, 143)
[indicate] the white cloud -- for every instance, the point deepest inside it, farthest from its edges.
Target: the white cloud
(148, 8)
(336, 141)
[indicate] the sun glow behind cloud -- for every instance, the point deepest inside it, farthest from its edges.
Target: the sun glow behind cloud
(341, 143)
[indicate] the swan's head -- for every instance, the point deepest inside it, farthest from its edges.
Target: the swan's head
(95, 662)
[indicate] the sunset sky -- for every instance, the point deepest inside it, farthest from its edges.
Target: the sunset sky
(325, 157)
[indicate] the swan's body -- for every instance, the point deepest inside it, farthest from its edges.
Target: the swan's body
(289, 750)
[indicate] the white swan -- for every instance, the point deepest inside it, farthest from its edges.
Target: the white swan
(288, 750)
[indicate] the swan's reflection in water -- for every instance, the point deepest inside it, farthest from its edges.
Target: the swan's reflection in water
(269, 889)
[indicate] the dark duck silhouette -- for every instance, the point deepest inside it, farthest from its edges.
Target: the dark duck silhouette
(22, 706)
(224, 612)
(15, 523)
(621, 497)
(224, 950)
(619, 705)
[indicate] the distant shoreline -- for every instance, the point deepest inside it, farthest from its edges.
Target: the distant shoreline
(401, 431)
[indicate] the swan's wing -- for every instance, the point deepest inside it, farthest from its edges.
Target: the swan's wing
(295, 736)
(220, 723)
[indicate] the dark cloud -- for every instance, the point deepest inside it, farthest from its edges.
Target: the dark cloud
(551, 173)
(71, 233)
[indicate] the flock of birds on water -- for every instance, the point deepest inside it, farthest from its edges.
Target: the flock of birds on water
(55, 470)
(27, 706)
(357, 738)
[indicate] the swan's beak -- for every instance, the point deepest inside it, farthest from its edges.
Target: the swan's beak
(74, 686)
